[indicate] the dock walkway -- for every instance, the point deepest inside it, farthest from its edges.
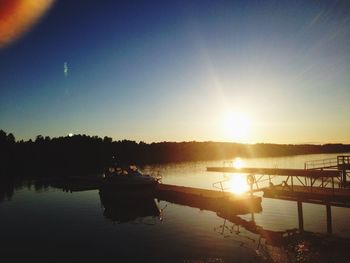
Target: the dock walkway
(318, 195)
(317, 183)
(212, 200)
(277, 171)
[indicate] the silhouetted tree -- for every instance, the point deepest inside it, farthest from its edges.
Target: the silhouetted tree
(82, 154)
(39, 139)
(10, 138)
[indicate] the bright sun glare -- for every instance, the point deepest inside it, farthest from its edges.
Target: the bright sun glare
(238, 163)
(238, 184)
(236, 126)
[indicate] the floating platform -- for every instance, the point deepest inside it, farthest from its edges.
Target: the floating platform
(277, 171)
(216, 201)
(320, 186)
(77, 184)
(318, 195)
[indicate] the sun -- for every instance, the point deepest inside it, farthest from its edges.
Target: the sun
(238, 163)
(236, 126)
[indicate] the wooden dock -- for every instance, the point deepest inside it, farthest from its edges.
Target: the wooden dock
(77, 184)
(322, 186)
(317, 195)
(277, 171)
(216, 201)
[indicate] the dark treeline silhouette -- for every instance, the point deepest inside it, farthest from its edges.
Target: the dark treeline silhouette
(89, 154)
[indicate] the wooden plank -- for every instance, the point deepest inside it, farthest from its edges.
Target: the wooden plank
(318, 195)
(315, 190)
(211, 200)
(200, 192)
(277, 171)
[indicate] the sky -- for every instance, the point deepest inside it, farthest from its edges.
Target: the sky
(236, 71)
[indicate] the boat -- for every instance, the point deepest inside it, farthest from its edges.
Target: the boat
(128, 181)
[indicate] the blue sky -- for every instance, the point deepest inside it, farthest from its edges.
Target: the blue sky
(159, 71)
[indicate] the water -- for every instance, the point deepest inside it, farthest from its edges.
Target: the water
(49, 224)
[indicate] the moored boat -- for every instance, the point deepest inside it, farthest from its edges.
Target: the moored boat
(128, 181)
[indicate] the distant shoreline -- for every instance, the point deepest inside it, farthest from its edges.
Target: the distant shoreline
(85, 154)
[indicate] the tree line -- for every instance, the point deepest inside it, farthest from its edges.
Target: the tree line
(85, 154)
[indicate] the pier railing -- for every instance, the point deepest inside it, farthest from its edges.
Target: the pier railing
(221, 184)
(321, 164)
(322, 181)
(341, 162)
(261, 178)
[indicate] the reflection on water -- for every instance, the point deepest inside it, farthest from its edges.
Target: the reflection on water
(36, 217)
(7, 188)
(194, 173)
(238, 184)
(121, 210)
(287, 246)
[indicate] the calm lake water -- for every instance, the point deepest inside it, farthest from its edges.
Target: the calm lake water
(48, 224)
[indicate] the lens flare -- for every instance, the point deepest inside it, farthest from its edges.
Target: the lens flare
(238, 184)
(18, 16)
(65, 69)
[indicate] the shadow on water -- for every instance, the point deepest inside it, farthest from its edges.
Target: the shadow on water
(122, 210)
(290, 245)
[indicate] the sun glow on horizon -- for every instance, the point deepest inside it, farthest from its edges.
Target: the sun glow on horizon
(236, 126)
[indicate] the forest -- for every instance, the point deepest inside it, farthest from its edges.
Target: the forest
(85, 154)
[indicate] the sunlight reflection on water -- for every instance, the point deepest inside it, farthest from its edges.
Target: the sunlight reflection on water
(80, 220)
(276, 214)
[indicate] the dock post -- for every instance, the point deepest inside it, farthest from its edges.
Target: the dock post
(329, 219)
(344, 178)
(252, 217)
(300, 216)
(251, 180)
